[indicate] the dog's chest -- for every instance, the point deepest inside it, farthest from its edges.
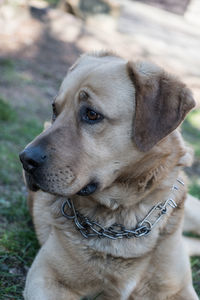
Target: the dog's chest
(128, 289)
(119, 277)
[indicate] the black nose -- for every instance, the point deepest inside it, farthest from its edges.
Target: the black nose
(32, 158)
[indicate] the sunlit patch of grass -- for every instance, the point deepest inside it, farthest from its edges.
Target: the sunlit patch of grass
(194, 119)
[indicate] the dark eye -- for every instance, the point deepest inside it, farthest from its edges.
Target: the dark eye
(54, 115)
(90, 116)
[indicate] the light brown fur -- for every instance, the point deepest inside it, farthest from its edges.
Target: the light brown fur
(135, 164)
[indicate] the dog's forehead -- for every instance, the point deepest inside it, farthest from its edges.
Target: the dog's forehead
(103, 74)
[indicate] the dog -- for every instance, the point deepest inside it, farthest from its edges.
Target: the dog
(107, 189)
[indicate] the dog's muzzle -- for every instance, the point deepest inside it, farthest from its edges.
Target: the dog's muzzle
(32, 158)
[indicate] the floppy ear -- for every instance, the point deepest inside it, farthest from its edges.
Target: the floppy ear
(162, 103)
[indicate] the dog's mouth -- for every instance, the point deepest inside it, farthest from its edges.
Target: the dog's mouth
(88, 189)
(33, 185)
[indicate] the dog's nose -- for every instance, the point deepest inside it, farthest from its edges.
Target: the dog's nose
(32, 158)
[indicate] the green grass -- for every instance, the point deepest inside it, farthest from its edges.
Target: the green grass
(6, 112)
(51, 2)
(195, 263)
(18, 244)
(10, 75)
(6, 63)
(191, 133)
(191, 130)
(194, 188)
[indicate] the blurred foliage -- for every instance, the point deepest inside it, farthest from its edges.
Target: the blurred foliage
(191, 130)
(6, 112)
(52, 2)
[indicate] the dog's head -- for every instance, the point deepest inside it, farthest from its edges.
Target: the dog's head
(107, 114)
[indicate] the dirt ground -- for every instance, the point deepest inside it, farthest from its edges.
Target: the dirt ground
(46, 42)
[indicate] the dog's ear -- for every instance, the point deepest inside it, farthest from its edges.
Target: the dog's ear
(162, 102)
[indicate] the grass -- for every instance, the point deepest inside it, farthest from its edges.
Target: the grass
(6, 112)
(194, 188)
(18, 244)
(191, 130)
(195, 263)
(191, 133)
(10, 75)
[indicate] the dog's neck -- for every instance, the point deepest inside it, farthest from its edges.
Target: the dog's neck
(150, 177)
(141, 186)
(129, 216)
(131, 196)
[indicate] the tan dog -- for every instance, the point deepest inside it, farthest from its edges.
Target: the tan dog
(114, 152)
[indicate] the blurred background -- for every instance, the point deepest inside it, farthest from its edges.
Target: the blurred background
(39, 40)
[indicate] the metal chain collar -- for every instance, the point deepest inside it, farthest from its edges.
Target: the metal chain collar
(90, 228)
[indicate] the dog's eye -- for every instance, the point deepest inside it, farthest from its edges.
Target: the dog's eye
(54, 115)
(90, 116)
